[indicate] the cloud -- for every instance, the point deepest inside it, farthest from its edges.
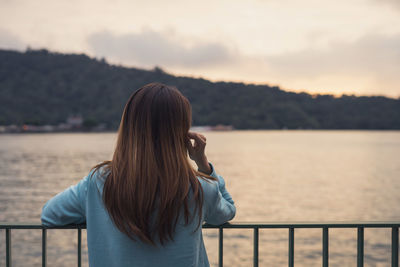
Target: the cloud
(368, 65)
(393, 3)
(150, 48)
(373, 57)
(10, 41)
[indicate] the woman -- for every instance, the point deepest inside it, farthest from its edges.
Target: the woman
(146, 206)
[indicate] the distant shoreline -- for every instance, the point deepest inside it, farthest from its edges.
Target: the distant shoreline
(57, 91)
(212, 131)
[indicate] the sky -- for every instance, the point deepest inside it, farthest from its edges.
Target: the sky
(315, 46)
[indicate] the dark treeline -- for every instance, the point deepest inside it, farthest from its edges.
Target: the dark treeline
(39, 87)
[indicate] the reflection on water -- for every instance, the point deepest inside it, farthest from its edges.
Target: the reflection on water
(272, 175)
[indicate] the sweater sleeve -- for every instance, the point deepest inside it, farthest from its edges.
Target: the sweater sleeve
(222, 208)
(67, 207)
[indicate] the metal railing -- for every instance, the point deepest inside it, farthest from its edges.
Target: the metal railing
(291, 226)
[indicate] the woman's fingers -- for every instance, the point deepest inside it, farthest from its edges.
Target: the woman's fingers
(189, 144)
(192, 135)
(197, 150)
(202, 137)
(199, 143)
(197, 137)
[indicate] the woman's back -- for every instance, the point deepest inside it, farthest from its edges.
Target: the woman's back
(145, 207)
(109, 247)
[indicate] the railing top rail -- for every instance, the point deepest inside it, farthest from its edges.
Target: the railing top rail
(248, 225)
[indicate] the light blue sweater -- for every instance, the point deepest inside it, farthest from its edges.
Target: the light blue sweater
(108, 247)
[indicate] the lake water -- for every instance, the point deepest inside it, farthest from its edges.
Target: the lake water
(272, 176)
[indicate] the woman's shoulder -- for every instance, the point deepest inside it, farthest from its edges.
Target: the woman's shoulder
(98, 176)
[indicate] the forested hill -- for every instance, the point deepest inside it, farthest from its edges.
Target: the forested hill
(40, 87)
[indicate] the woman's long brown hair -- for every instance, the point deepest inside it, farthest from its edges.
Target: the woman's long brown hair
(150, 177)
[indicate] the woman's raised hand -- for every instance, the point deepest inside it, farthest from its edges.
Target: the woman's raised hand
(197, 151)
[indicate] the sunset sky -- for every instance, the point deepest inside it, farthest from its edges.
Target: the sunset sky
(317, 46)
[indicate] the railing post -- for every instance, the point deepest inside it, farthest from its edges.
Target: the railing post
(395, 246)
(291, 247)
(255, 247)
(360, 246)
(8, 248)
(325, 247)
(44, 247)
(221, 247)
(79, 247)
(8, 227)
